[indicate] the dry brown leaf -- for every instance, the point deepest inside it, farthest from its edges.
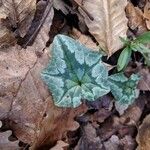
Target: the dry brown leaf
(89, 139)
(144, 83)
(5, 144)
(59, 146)
(109, 22)
(20, 13)
(56, 123)
(143, 137)
(7, 38)
(135, 19)
(147, 14)
(84, 39)
(22, 93)
(113, 143)
(144, 72)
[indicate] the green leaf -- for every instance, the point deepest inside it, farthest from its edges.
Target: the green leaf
(139, 47)
(74, 73)
(124, 58)
(144, 38)
(124, 89)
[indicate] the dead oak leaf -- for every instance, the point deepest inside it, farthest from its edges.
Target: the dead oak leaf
(56, 124)
(135, 19)
(108, 24)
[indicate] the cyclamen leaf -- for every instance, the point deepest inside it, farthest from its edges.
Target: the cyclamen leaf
(124, 89)
(74, 73)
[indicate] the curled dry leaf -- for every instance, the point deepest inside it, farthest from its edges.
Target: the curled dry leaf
(89, 139)
(147, 14)
(7, 38)
(135, 18)
(143, 137)
(109, 22)
(4, 141)
(5, 144)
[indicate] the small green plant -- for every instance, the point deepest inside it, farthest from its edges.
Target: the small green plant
(76, 73)
(134, 45)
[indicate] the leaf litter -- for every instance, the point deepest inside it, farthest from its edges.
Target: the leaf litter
(26, 105)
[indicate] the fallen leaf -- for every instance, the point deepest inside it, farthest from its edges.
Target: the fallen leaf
(135, 19)
(144, 83)
(108, 16)
(89, 139)
(59, 146)
(143, 137)
(56, 123)
(5, 143)
(143, 71)
(22, 93)
(134, 112)
(7, 38)
(19, 13)
(113, 143)
(84, 39)
(128, 142)
(147, 14)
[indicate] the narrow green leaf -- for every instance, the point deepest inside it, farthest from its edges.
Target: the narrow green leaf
(124, 58)
(144, 38)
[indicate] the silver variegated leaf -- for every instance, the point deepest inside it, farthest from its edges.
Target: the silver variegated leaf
(123, 88)
(75, 72)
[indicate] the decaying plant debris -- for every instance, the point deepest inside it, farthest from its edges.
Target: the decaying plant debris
(29, 118)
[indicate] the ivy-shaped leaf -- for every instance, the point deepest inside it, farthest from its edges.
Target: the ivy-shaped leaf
(123, 88)
(74, 73)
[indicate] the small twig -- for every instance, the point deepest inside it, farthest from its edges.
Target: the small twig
(46, 13)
